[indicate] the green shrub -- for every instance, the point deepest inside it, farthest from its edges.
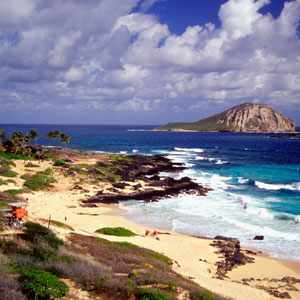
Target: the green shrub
(25, 176)
(41, 253)
(35, 231)
(47, 171)
(7, 162)
(39, 181)
(60, 163)
(6, 172)
(31, 165)
(37, 284)
(118, 231)
(10, 181)
(13, 192)
(152, 294)
(3, 182)
(201, 295)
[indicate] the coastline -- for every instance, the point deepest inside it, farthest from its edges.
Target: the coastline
(193, 257)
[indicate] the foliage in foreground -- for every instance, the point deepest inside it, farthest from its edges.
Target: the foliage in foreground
(41, 284)
(117, 231)
(92, 263)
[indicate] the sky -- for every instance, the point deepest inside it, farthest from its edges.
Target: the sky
(146, 61)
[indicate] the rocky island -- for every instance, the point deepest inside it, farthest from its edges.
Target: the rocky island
(246, 117)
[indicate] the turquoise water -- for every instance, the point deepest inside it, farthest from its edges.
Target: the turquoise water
(255, 181)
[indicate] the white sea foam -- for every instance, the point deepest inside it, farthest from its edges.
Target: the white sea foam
(242, 180)
(134, 150)
(221, 162)
(123, 152)
(267, 186)
(197, 150)
(200, 158)
(263, 230)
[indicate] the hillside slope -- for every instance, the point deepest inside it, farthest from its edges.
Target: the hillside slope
(247, 117)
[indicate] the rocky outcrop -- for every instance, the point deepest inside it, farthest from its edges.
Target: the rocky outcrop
(168, 187)
(139, 169)
(247, 117)
(230, 249)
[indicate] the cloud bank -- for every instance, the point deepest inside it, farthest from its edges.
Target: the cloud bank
(98, 62)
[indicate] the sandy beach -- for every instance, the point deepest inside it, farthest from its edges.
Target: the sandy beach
(193, 257)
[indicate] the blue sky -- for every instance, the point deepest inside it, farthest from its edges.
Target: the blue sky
(146, 61)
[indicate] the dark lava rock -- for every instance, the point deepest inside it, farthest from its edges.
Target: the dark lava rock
(171, 188)
(259, 237)
(120, 185)
(231, 251)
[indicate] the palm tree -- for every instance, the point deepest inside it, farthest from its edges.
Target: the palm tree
(64, 139)
(56, 134)
(17, 140)
(2, 135)
(51, 135)
(33, 135)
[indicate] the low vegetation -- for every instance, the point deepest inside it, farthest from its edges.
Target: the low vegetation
(33, 264)
(32, 165)
(39, 181)
(60, 163)
(117, 231)
(13, 192)
(5, 168)
(58, 224)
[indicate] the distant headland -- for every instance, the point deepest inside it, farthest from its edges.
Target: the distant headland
(246, 117)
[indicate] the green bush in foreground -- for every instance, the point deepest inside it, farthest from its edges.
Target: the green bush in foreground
(118, 231)
(39, 181)
(13, 192)
(37, 284)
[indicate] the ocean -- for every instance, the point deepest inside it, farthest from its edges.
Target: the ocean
(255, 181)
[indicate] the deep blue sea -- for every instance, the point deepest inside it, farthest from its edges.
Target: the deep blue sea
(255, 181)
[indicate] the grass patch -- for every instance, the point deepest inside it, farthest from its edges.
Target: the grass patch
(117, 231)
(152, 294)
(31, 165)
(39, 181)
(12, 156)
(6, 162)
(10, 181)
(60, 224)
(6, 172)
(120, 157)
(25, 176)
(3, 182)
(13, 192)
(60, 163)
